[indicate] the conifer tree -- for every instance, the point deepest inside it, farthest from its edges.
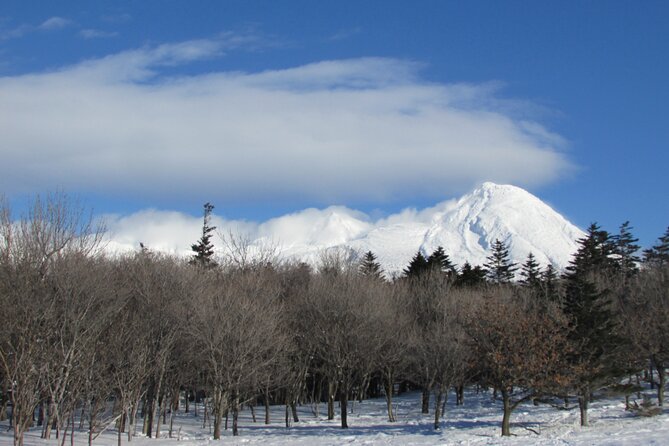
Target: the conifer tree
(369, 267)
(588, 305)
(470, 276)
(417, 267)
(499, 267)
(549, 283)
(439, 261)
(530, 273)
(626, 250)
(596, 253)
(658, 254)
(204, 248)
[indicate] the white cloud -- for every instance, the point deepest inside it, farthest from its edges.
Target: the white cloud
(174, 232)
(54, 23)
(96, 34)
(333, 131)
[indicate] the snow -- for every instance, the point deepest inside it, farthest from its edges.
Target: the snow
(475, 423)
(465, 228)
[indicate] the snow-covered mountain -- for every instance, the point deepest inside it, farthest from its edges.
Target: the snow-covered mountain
(466, 228)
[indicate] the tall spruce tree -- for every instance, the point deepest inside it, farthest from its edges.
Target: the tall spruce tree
(204, 248)
(626, 249)
(588, 307)
(530, 273)
(499, 267)
(658, 254)
(439, 261)
(550, 283)
(470, 276)
(596, 253)
(417, 267)
(369, 267)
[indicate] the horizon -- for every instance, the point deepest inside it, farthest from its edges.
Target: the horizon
(267, 109)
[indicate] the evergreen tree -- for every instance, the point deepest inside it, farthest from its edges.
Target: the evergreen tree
(549, 283)
(588, 307)
(417, 267)
(626, 250)
(530, 273)
(369, 267)
(658, 255)
(499, 267)
(439, 261)
(596, 253)
(204, 248)
(470, 276)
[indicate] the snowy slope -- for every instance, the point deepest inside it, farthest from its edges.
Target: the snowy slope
(466, 228)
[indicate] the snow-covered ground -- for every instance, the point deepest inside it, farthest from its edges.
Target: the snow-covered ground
(475, 423)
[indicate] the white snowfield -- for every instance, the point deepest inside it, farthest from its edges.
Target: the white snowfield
(475, 423)
(465, 228)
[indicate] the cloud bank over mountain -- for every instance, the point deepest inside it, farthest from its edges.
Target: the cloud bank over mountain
(140, 123)
(466, 228)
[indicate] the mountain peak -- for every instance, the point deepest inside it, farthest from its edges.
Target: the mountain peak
(466, 228)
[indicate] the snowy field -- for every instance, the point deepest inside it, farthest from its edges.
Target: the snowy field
(475, 423)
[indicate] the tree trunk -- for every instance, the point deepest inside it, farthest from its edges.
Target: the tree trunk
(388, 387)
(583, 406)
(161, 403)
(343, 401)
(266, 401)
(460, 395)
(437, 408)
(506, 419)
(293, 409)
(252, 406)
(331, 391)
(218, 413)
(235, 418)
(661, 378)
(425, 408)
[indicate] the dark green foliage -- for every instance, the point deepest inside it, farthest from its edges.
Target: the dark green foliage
(596, 254)
(369, 267)
(417, 267)
(588, 307)
(439, 261)
(626, 250)
(530, 273)
(470, 276)
(499, 268)
(550, 283)
(204, 248)
(658, 255)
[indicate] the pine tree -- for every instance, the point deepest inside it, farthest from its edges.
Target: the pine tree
(417, 267)
(658, 254)
(499, 267)
(204, 248)
(470, 276)
(439, 261)
(626, 250)
(588, 305)
(530, 273)
(369, 267)
(596, 253)
(549, 283)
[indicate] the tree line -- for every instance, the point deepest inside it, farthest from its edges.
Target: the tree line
(124, 342)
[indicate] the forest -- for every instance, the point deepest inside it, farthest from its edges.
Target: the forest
(122, 342)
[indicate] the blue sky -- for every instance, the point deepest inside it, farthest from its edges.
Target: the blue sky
(266, 107)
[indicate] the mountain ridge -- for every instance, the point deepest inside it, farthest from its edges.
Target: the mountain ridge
(465, 228)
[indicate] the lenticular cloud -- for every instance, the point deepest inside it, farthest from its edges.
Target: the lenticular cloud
(333, 131)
